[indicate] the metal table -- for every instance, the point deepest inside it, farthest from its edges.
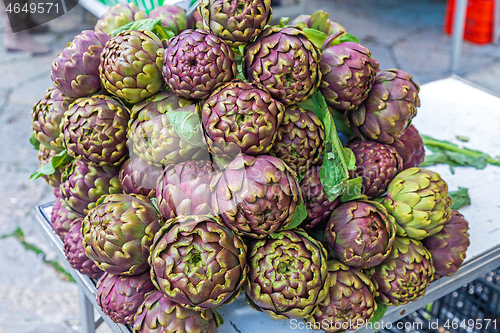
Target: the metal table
(450, 108)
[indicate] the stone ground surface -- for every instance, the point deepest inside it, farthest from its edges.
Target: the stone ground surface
(34, 297)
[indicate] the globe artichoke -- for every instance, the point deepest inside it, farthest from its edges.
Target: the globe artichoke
(46, 118)
(348, 73)
(410, 147)
(319, 20)
(62, 217)
(350, 302)
(285, 62)
(448, 246)
(195, 21)
(237, 22)
(75, 71)
(158, 314)
(360, 234)
(171, 16)
(196, 62)
(83, 184)
(184, 189)
(45, 156)
(75, 252)
(156, 105)
(418, 200)
(319, 208)
(376, 163)
(241, 117)
(139, 177)
(301, 139)
(118, 232)
(119, 15)
(197, 262)
(120, 296)
(389, 108)
(287, 275)
(405, 275)
(95, 130)
(256, 196)
(131, 64)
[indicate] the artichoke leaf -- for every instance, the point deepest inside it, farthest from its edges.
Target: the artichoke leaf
(50, 167)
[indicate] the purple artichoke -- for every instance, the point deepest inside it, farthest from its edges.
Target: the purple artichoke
(75, 71)
(119, 15)
(241, 117)
(197, 262)
(360, 234)
(62, 217)
(410, 147)
(171, 16)
(196, 62)
(45, 156)
(75, 252)
(195, 21)
(120, 296)
(376, 163)
(348, 74)
(448, 246)
(139, 177)
(256, 196)
(184, 189)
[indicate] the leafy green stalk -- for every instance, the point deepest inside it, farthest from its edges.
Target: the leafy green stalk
(34, 142)
(460, 198)
(51, 166)
(298, 217)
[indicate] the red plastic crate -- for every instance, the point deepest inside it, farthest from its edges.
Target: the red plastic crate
(479, 20)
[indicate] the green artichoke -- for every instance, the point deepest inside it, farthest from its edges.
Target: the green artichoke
(301, 140)
(158, 314)
(285, 62)
(119, 15)
(405, 275)
(241, 117)
(287, 276)
(410, 147)
(156, 105)
(448, 246)
(348, 73)
(139, 177)
(360, 234)
(131, 64)
(350, 302)
(389, 108)
(237, 22)
(171, 16)
(418, 200)
(95, 130)
(45, 156)
(196, 62)
(376, 163)
(197, 262)
(256, 196)
(62, 217)
(118, 232)
(319, 20)
(47, 115)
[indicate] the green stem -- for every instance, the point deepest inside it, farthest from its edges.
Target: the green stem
(340, 150)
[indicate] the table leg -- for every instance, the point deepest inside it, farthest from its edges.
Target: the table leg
(458, 33)
(86, 313)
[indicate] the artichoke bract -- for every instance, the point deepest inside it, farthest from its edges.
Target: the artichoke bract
(75, 71)
(131, 64)
(256, 196)
(350, 302)
(75, 252)
(95, 130)
(118, 232)
(376, 163)
(156, 105)
(348, 73)
(47, 115)
(119, 15)
(418, 200)
(405, 275)
(285, 62)
(196, 62)
(319, 208)
(171, 16)
(45, 156)
(287, 275)
(120, 296)
(410, 147)
(319, 20)
(197, 262)
(236, 22)
(391, 104)
(158, 314)
(448, 246)
(83, 184)
(62, 217)
(139, 177)
(360, 234)
(301, 139)
(184, 189)
(241, 117)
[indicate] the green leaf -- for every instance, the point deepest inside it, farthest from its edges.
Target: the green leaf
(240, 75)
(155, 203)
(347, 37)
(379, 313)
(153, 25)
(352, 189)
(315, 36)
(186, 124)
(284, 21)
(50, 167)
(61, 159)
(298, 217)
(34, 142)
(460, 198)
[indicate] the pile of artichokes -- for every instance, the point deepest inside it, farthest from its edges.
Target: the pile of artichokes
(191, 160)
